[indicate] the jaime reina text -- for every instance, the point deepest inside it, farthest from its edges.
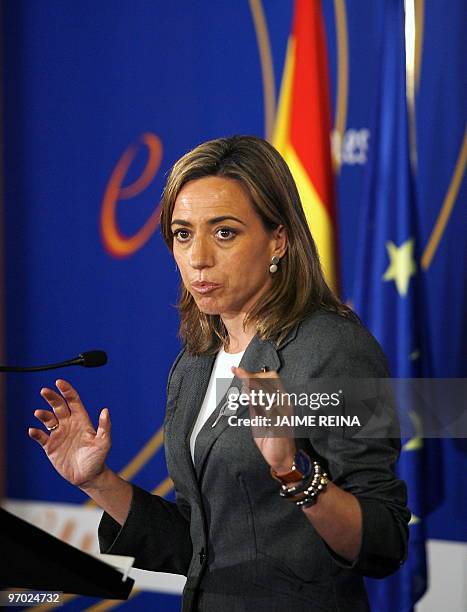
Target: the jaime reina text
(311, 420)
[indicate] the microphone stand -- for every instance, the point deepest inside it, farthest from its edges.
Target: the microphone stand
(89, 359)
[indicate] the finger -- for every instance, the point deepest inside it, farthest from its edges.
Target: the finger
(71, 395)
(271, 386)
(242, 373)
(38, 435)
(256, 380)
(56, 402)
(46, 417)
(104, 426)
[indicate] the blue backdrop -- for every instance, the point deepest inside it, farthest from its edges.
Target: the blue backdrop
(84, 82)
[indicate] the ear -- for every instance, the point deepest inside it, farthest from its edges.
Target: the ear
(280, 241)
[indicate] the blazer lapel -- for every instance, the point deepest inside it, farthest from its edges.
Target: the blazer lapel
(189, 399)
(198, 380)
(257, 356)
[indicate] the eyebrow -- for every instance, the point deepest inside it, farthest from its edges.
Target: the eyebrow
(212, 221)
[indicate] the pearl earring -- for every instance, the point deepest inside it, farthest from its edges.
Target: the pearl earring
(274, 261)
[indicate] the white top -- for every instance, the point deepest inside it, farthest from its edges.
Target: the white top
(219, 382)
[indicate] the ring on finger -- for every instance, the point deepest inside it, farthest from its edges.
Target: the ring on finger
(52, 428)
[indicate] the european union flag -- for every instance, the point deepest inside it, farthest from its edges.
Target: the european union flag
(387, 286)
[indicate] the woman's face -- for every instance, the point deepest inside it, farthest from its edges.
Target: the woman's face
(221, 246)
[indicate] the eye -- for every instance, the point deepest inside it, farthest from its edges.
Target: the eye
(181, 235)
(226, 233)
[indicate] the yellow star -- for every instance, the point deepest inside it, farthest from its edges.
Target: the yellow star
(414, 519)
(401, 266)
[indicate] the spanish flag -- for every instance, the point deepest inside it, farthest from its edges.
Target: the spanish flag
(303, 128)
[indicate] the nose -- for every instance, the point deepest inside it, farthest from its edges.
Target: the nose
(201, 255)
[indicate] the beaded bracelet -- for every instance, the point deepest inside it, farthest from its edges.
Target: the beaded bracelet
(311, 494)
(312, 480)
(306, 492)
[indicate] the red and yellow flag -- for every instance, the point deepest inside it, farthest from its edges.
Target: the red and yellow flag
(303, 128)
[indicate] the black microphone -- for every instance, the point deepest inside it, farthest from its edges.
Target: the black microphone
(89, 359)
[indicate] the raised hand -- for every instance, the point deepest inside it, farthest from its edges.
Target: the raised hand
(277, 450)
(76, 450)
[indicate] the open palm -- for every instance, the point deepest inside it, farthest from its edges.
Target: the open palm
(75, 448)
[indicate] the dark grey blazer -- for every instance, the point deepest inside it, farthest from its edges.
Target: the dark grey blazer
(229, 531)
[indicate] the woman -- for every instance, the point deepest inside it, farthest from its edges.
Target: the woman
(256, 524)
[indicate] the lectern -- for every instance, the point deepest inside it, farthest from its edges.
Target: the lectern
(34, 559)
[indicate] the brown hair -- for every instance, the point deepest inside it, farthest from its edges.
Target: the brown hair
(299, 286)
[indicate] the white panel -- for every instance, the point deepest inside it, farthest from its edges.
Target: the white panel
(447, 578)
